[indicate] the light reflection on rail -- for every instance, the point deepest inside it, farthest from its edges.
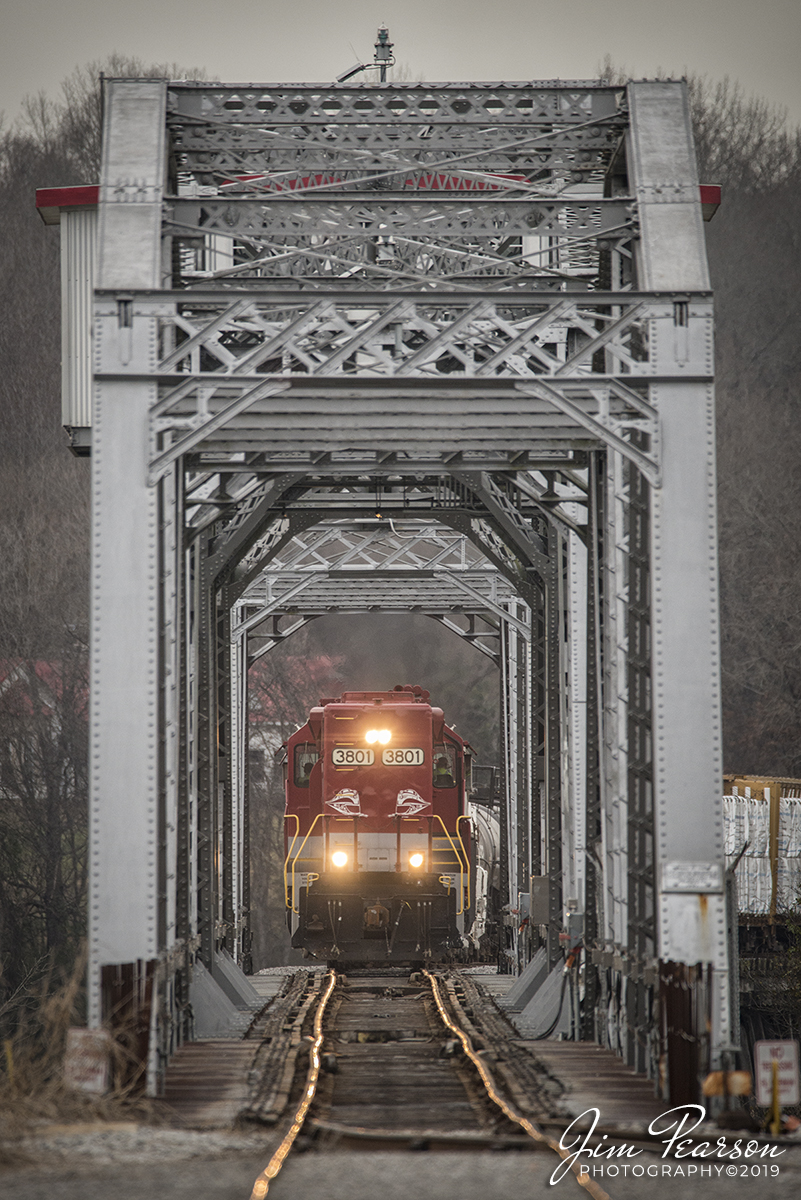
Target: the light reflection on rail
(262, 1184)
(507, 1109)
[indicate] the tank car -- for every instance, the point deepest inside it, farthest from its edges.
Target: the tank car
(378, 843)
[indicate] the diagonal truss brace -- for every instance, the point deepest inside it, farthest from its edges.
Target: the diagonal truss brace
(162, 462)
(236, 542)
(647, 464)
(525, 540)
(274, 639)
(502, 613)
(449, 579)
(475, 638)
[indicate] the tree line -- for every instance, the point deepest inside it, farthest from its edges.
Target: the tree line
(44, 548)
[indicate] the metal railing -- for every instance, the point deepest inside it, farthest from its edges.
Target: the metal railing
(290, 893)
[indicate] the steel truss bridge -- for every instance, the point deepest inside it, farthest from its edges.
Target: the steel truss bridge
(482, 310)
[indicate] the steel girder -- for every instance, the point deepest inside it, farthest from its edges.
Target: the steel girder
(488, 135)
(408, 567)
(485, 309)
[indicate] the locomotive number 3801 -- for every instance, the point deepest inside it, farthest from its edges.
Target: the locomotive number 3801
(350, 757)
(410, 757)
(380, 861)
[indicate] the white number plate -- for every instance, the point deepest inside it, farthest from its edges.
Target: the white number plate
(413, 757)
(352, 757)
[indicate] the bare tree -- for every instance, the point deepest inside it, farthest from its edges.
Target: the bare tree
(741, 141)
(44, 546)
(43, 795)
(756, 268)
(79, 112)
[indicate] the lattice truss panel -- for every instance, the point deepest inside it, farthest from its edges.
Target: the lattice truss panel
(379, 565)
(403, 185)
(504, 519)
(517, 376)
(420, 272)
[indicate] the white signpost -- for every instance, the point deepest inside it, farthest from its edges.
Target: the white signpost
(87, 1060)
(785, 1055)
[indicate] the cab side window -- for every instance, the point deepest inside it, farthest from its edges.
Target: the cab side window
(306, 756)
(444, 766)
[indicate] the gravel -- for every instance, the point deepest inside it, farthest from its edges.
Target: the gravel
(224, 1167)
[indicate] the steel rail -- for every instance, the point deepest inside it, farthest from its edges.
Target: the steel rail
(506, 1108)
(262, 1184)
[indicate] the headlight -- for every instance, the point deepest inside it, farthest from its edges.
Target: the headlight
(378, 735)
(339, 858)
(416, 860)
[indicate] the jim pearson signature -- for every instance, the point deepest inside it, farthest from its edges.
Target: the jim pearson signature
(673, 1127)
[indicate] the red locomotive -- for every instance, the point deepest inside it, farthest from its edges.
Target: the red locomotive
(377, 861)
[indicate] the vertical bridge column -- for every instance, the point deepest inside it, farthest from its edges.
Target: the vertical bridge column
(686, 673)
(124, 885)
(574, 721)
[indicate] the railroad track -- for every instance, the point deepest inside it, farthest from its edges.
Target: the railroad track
(394, 1060)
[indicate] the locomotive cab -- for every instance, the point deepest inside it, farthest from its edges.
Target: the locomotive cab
(377, 841)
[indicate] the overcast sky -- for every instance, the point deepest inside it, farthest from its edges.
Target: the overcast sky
(757, 42)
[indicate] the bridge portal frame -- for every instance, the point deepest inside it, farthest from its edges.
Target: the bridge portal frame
(200, 456)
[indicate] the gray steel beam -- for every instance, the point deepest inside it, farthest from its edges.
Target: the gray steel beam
(574, 719)
(474, 215)
(266, 465)
(593, 893)
(552, 757)
(641, 940)
(207, 877)
(227, 691)
(242, 793)
(218, 299)
(125, 636)
(492, 106)
(487, 641)
(525, 540)
(249, 524)
(686, 672)
(516, 808)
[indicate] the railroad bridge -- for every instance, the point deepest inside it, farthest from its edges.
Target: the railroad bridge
(483, 311)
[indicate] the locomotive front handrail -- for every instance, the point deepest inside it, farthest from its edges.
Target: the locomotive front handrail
(461, 859)
(464, 817)
(297, 856)
(296, 819)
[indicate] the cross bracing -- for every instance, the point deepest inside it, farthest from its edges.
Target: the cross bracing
(390, 214)
(444, 187)
(435, 348)
(499, 338)
(408, 567)
(493, 127)
(379, 544)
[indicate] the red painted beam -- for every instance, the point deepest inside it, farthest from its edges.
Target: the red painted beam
(50, 201)
(710, 200)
